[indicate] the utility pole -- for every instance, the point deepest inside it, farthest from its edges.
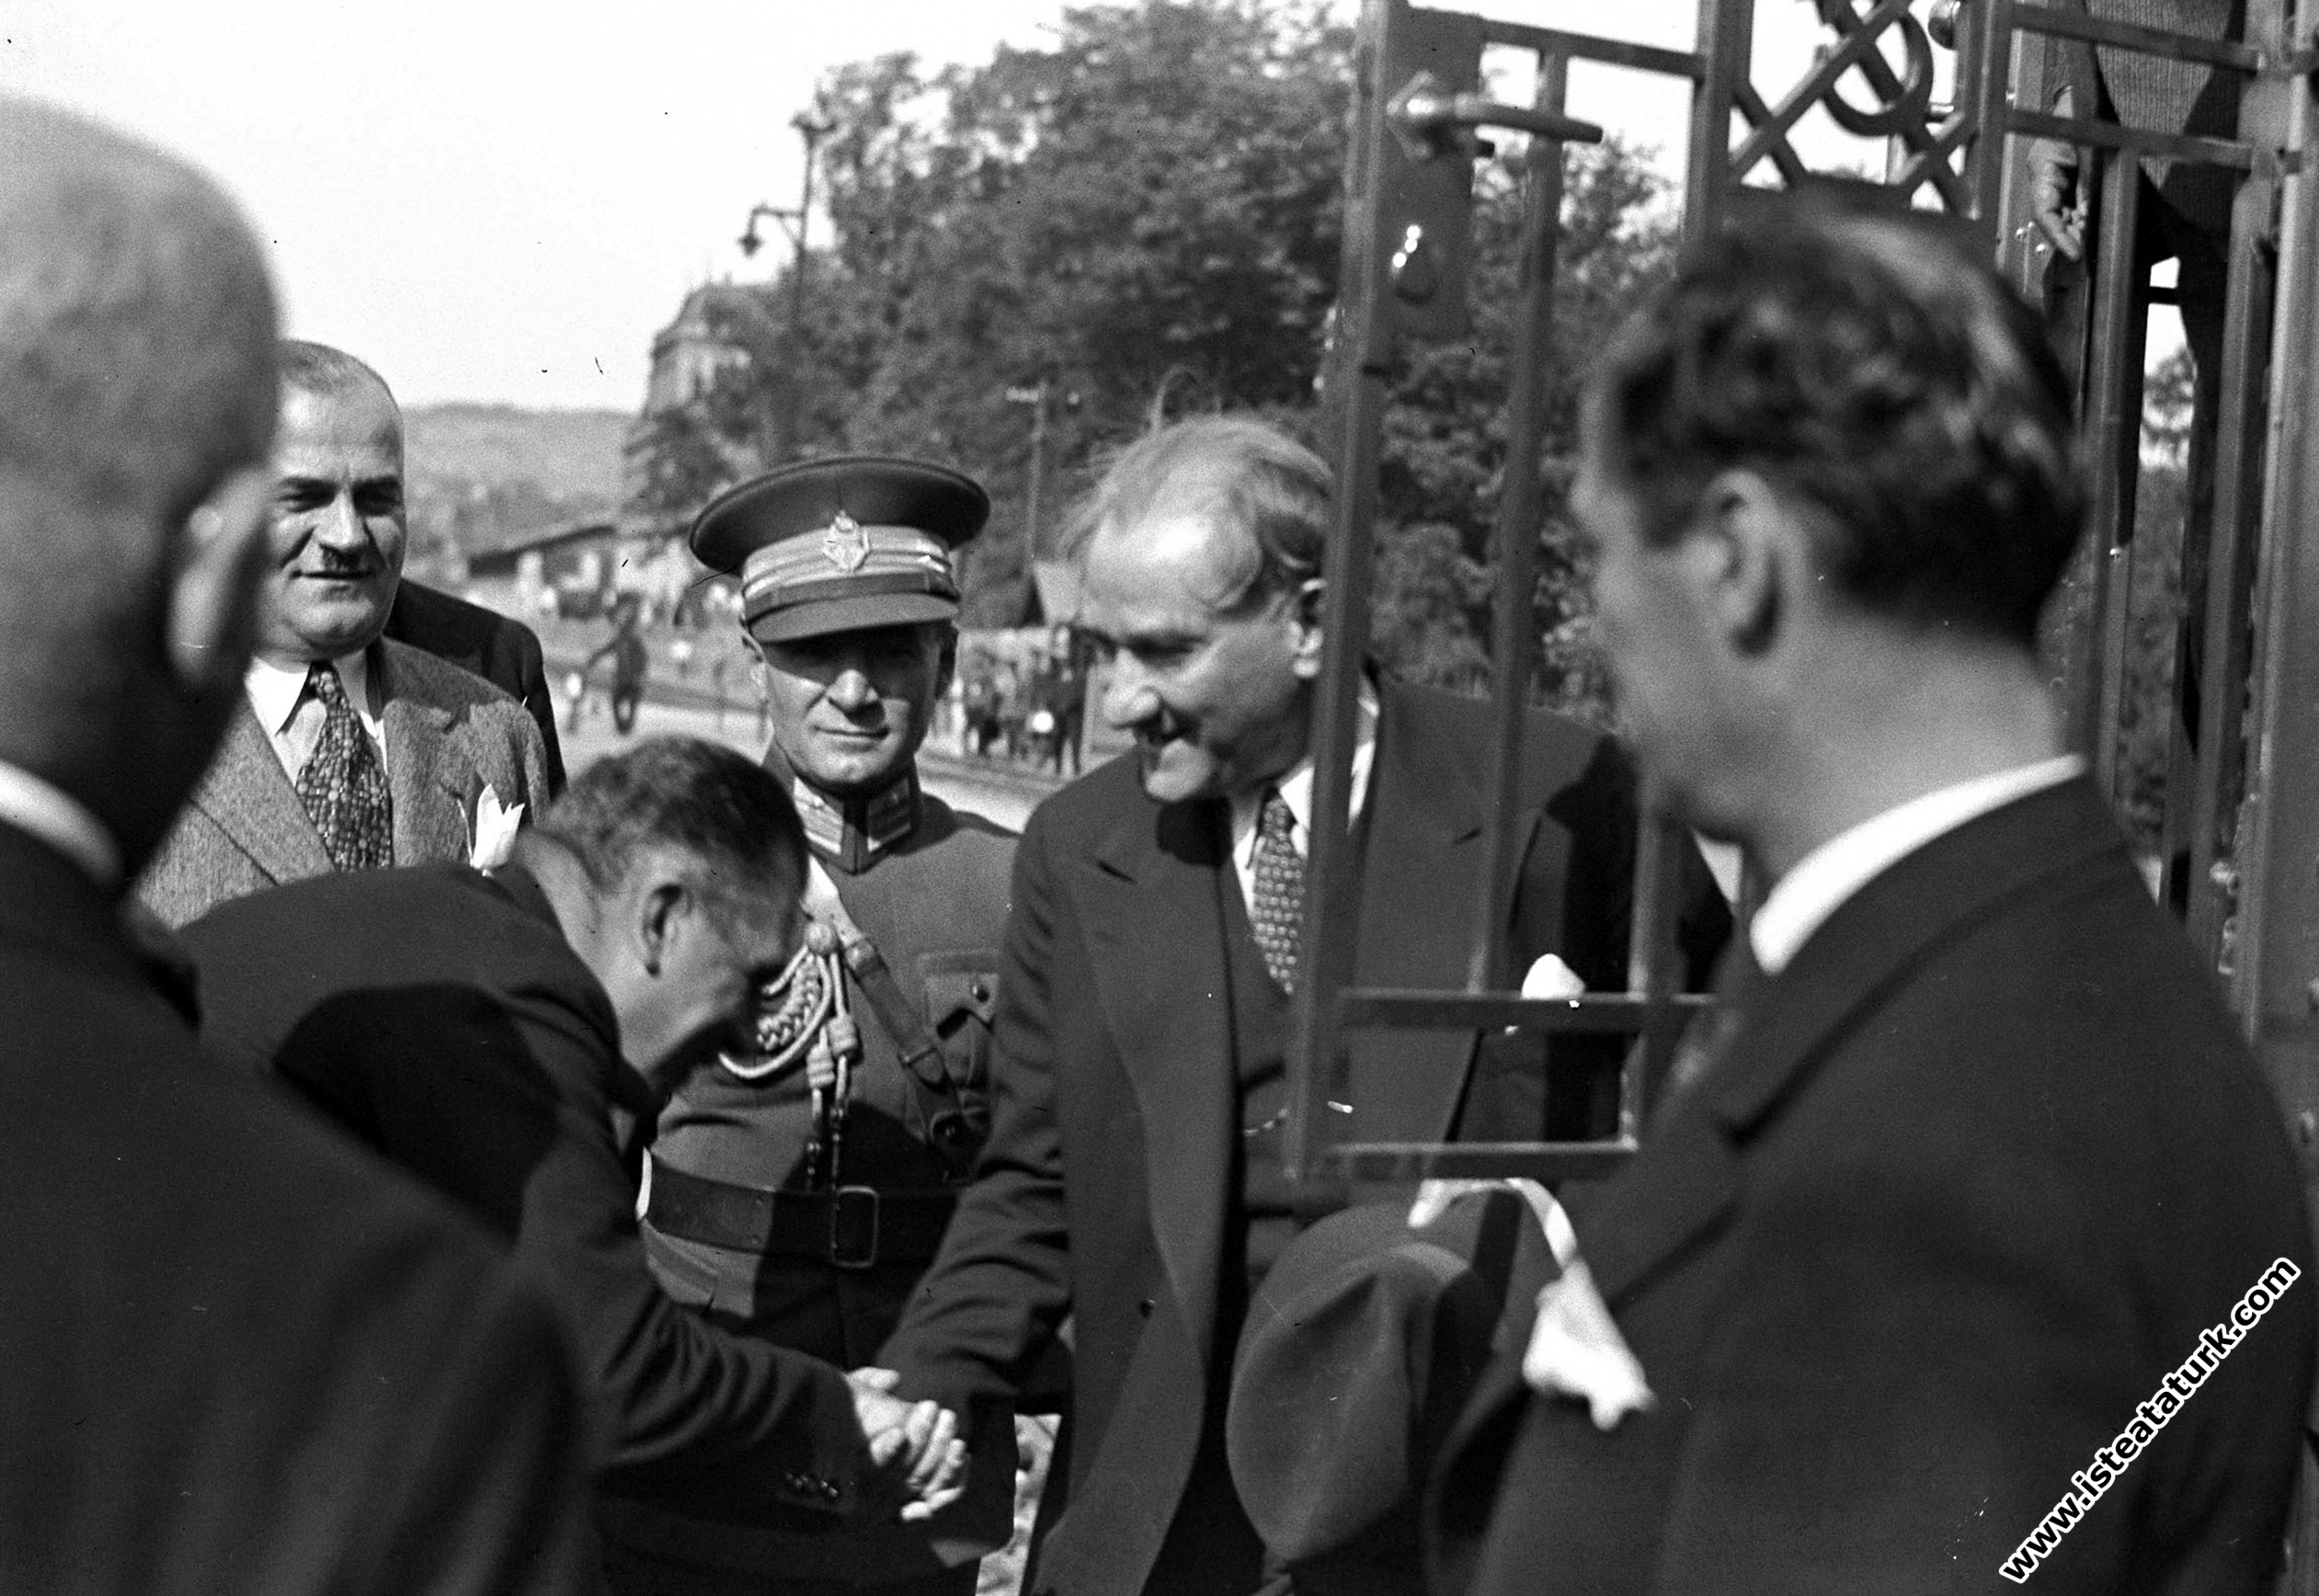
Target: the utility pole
(1036, 398)
(789, 387)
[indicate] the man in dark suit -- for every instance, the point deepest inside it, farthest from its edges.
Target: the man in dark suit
(1134, 1176)
(508, 1039)
(240, 1356)
(1979, 1160)
(353, 751)
(499, 648)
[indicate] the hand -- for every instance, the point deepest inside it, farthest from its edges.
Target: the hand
(2056, 201)
(916, 1449)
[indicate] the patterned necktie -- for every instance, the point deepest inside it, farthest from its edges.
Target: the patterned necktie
(1278, 910)
(343, 785)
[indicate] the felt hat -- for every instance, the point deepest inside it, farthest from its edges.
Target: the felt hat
(1359, 1350)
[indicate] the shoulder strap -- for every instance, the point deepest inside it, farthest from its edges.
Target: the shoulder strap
(951, 1132)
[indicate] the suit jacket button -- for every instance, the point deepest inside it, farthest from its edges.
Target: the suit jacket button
(1144, 1307)
(980, 991)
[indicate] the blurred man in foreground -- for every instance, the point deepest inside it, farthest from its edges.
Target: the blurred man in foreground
(1934, 1240)
(508, 1039)
(240, 1355)
(355, 751)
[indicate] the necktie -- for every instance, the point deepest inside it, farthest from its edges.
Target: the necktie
(343, 785)
(1737, 976)
(1278, 910)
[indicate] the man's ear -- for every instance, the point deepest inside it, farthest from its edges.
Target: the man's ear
(661, 915)
(1306, 608)
(1746, 550)
(214, 566)
(947, 666)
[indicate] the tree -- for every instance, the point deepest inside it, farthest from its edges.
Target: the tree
(1446, 445)
(1146, 213)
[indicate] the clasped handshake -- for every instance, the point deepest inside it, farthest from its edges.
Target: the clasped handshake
(917, 1458)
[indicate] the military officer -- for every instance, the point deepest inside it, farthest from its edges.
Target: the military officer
(801, 1192)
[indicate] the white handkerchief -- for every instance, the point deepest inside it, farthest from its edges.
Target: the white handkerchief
(491, 835)
(1550, 977)
(1434, 1199)
(1576, 1351)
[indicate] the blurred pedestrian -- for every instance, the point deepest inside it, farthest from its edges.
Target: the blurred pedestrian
(630, 661)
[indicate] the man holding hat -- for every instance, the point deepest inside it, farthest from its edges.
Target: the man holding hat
(802, 1192)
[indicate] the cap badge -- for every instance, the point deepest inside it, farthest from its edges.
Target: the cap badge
(845, 544)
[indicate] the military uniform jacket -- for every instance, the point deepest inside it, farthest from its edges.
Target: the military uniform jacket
(934, 907)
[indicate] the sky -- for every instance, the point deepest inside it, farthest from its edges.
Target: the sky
(501, 202)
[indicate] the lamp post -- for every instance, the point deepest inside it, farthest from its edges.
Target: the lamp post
(1035, 397)
(796, 222)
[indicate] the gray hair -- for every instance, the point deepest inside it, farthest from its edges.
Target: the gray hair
(1247, 474)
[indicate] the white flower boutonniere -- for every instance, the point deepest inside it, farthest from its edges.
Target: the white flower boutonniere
(1576, 1351)
(491, 835)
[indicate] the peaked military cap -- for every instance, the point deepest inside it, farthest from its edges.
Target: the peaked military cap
(842, 543)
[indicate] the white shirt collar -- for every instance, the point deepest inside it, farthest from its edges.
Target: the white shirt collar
(1296, 789)
(60, 820)
(1822, 881)
(274, 690)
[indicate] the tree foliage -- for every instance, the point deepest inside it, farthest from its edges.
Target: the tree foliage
(1145, 213)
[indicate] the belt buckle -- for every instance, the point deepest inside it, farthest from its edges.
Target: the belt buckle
(853, 1227)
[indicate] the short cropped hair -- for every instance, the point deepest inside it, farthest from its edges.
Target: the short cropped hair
(700, 799)
(1880, 371)
(136, 323)
(1249, 475)
(137, 328)
(321, 369)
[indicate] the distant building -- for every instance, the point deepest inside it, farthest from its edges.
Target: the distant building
(690, 353)
(688, 356)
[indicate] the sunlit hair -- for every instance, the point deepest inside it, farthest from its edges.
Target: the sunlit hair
(136, 322)
(137, 332)
(1246, 474)
(1879, 371)
(725, 813)
(323, 369)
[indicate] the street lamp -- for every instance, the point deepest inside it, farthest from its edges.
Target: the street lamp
(795, 222)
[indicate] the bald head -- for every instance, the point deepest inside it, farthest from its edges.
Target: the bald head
(137, 333)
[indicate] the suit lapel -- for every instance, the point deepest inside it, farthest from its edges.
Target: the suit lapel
(1421, 854)
(1156, 942)
(251, 800)
(1685, 1178)
(426, 771)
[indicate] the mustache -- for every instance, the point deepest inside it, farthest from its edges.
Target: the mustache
(328, 562)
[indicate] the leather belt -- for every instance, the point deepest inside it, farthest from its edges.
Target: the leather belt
(850, 1227)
